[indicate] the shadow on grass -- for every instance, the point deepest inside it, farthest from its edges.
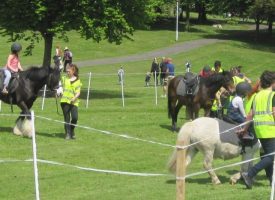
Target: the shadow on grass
(105, 94)
(51, 135)
(169, 127)
(94, 94)
(264, 42)
(6, 129)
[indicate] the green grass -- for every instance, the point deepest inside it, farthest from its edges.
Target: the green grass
(140, 118)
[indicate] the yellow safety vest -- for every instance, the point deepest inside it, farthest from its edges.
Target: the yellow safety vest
(220, 71)
(69, 90)
(264, 123)
(215, 105)
(248, 103)
(237, 80)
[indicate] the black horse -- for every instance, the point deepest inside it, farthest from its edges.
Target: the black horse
(203, 98)
(24, 88)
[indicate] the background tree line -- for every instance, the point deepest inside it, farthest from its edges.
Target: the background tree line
(112, 20)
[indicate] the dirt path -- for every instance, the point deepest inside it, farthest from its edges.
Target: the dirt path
(175, 49)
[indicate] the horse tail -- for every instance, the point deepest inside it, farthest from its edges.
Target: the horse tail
(184, 135)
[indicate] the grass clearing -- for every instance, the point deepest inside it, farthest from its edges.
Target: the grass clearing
(140, 118)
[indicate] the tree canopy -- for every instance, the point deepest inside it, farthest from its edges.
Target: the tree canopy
(111, 20)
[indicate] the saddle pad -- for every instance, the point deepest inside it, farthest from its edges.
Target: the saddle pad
(181, 88)
(230, 136)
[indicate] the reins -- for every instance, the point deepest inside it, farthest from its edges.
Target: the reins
(57, 110)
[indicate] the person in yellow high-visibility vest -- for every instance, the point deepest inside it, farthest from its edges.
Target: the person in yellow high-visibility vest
(217, 67)
(70, 99)
(263, 113)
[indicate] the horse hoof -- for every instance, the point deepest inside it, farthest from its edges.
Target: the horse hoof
(232, 181)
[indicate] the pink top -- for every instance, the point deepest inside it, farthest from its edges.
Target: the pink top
(13, 63)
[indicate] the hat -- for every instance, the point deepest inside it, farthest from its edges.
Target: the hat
(206, 68)
(66, 48)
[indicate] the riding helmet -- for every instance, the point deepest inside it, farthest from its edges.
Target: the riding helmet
(243, 88)
(206, 68)
(16, 47)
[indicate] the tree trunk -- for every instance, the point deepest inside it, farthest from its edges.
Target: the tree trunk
(48, 42)
(270, 22)
(201, 12)
(187, 27)
(257, 27)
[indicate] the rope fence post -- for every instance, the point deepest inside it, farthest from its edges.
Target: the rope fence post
(273, 180)
(181, 170)
(156, 89)
(34, 158)
(88, 93)
(0, 106)
(122, 89)
(43, 99)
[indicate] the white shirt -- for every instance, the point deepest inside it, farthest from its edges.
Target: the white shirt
(237, 102)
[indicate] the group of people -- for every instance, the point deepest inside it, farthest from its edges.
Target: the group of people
(161, 72)
(69, 92)
(249, 103)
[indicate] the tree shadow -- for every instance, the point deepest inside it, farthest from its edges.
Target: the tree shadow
(94, 94)
(105, 94)
(264, 42)
(51, 135)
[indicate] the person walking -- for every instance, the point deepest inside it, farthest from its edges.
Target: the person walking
(263, 114)
(13, 65)
(70, 99)
(67, 58)
(155, 70)
(120, 74)
(163, 69)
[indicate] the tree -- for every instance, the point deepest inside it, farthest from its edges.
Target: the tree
(258, 12)
(33, 20)
(270, 12)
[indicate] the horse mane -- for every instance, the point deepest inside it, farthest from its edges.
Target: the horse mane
(35, 73)
(214, 78)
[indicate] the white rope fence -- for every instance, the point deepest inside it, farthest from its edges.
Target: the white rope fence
(35, 160)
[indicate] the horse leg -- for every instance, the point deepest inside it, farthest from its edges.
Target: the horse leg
(191, 152)
(248, 155)
(208, 159)
(177, 109)
(173, 113)
(196, 110)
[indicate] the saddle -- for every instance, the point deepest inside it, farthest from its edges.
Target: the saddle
(188, 85)
(13, 84)
(243, 141)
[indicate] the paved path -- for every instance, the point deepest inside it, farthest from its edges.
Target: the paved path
(175, 49)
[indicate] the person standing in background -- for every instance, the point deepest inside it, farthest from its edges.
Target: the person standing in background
(67, 58)
(163, 69)
(155, 70)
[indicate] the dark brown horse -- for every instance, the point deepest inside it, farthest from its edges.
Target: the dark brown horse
(204, 97)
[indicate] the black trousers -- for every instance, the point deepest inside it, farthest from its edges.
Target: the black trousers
(70, 113)
(266, 162)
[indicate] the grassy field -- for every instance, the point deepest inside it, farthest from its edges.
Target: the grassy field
(140, 118)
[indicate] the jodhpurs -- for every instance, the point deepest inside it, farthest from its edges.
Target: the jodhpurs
(70, 113)
(7, 77)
